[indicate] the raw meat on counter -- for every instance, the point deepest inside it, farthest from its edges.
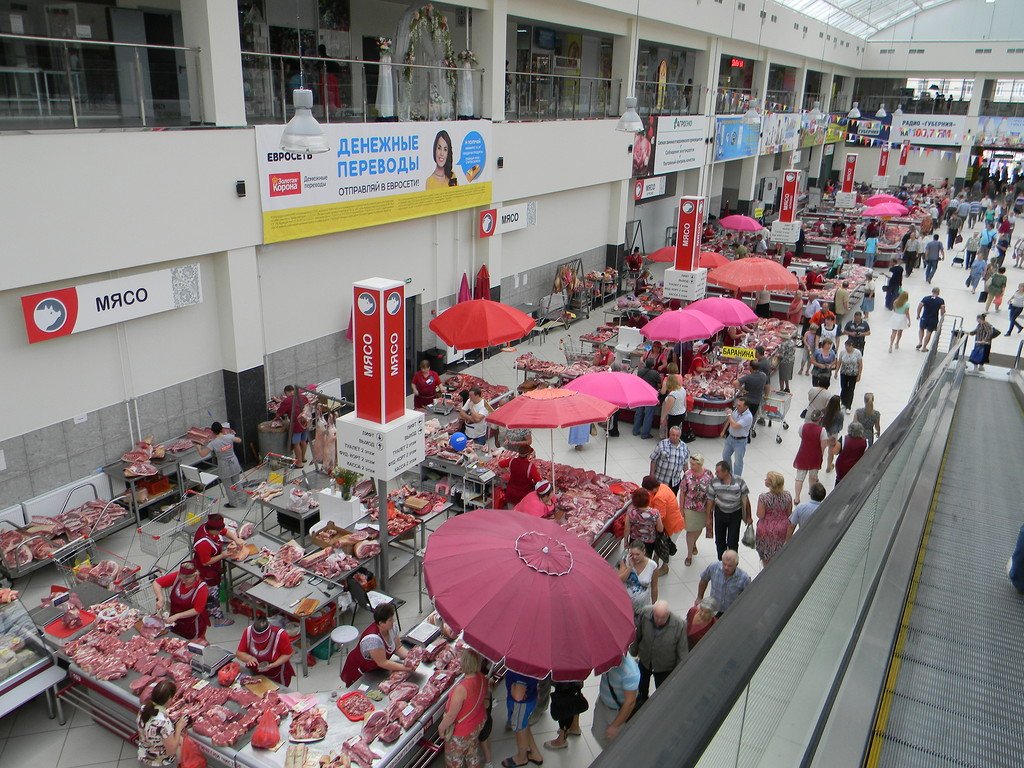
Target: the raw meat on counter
(199, 434)
(414, 658)
(373, 725)
(180, 446)
(246, 530)
(463, 381)
(392, 680)
(546, 369)
(140, 469)
(402, 691)
(268, 491)
(309, 725)
(8, 595)
(359, 752)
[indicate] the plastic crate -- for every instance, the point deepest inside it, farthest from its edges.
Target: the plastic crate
(320, 622)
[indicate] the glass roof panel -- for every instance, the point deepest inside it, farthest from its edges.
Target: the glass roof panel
(862, 18)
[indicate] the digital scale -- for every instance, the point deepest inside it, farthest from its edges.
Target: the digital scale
(423, 634)
(206, 660)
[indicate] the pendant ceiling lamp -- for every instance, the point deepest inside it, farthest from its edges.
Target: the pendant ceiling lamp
(630, 121)
(854, 112)
(881, 113)
(303, 133)
(816, 114)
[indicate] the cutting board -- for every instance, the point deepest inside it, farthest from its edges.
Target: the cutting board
(245, 552)
(262, 685)
(57, 629)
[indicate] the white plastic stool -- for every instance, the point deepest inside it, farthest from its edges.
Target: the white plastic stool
(344, 636)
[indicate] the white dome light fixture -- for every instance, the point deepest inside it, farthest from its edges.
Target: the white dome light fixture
(816, 114)
(303, 133)
(898, 111)
(854, 112)
(630, 121)
(752, 116)
(881, 114)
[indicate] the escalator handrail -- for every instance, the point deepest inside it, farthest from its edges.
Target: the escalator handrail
(680, 721)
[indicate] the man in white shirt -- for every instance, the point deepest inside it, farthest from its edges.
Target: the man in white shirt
(803, 512)
(737, 434)
(474, 414)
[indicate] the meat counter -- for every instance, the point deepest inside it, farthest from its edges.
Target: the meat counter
(26, 666)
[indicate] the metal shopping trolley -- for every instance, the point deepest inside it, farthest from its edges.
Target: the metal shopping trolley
(172, 529)
(275, 469)
(775, 407)
(89, 562)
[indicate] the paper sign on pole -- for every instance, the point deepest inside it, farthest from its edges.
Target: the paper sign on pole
(379, 349)
(689, 233)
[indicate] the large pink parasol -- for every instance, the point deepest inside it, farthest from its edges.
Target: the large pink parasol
(886, 209)
(753, 274)
(882, 198)
(525, 591)
(740, 223)
(624, 390)
(729, 311)
(682, 325)
(551, 409)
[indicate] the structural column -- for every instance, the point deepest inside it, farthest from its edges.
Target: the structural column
(213, 28)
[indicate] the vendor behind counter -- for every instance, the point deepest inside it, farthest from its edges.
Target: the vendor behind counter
(378, 643)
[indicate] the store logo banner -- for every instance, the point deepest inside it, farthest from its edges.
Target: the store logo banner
(377, 173)
(883, 162)
(934, 130)
(849, 171)
(790, 189)
(689, 233)
(63, 311)
(379, 348)
(904, 151)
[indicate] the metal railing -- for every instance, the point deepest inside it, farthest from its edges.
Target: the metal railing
(810, 98)
(990, 107)
(731, 101)
(779, 101)
(534, 96)
(922, 106)
(755, 690)
(354, 90)
(667, 99)
(62, 83)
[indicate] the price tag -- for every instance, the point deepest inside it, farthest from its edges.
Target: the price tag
(363, 687)
(408, 710)
(200, 685)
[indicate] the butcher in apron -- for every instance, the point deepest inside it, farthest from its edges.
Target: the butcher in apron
(267, 650)
(188, 594)
(222, 448)
(208, 549)
(377, 644)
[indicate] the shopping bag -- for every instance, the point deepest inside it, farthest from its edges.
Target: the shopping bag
(191, 757)
(977, 355)
(982, 297)
(664, 547)
(749, 537)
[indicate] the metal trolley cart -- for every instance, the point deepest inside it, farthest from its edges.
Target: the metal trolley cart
(572, 354)
(774, 408)
(76, 563)
(172, 530)
(274, 469)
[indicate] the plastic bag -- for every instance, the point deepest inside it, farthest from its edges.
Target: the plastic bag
(266, 735)
(227, 674)
(191, 757)
(749, 537)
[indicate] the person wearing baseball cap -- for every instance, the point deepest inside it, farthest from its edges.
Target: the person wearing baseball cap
(540, 502)
(188, 613)
(208, 549)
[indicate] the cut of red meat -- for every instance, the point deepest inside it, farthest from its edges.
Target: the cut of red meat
(403, 691)
(228, 734)
(373, 725)
(140, 683)
(309, 725)
(427, 696)
(246, 530)
(393, 679)
(414, 657)
(360, 753)
(410, 715)
(389, 733)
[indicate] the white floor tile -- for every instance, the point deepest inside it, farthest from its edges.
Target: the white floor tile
(88, 745)
(37, 749)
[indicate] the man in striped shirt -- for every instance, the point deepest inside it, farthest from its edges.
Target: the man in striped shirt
(729, 501)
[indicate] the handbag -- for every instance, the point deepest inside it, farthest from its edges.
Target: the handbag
(977, 355)
(664, 547)
(749, 537)
(982, 297)
(450, 731)
(803, 414)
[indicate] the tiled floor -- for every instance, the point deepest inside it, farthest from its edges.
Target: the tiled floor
(28, 738)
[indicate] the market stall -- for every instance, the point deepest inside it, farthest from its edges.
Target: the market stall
(26, 666)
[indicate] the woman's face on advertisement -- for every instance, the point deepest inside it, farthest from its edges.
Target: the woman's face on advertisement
(441, 152)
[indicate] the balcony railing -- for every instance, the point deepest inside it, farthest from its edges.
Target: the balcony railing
(1001, 108)
(674, 98)
(353, 90)
(533, 96)
(810, 98)
(732, 101)
(922, 106)
(61, 83)
(779, 101)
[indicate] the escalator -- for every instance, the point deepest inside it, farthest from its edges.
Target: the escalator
(952, 690)
(886, 633)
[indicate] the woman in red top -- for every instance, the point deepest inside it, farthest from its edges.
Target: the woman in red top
(603, 355)
(854, 447)
(187, 608)
(699, 363)
(699, 619)
(208, 550)
(424, 383)
(377, 644)
(523, 475)
(466, 710)
(267, 650)
(658, 354)
(809, 456)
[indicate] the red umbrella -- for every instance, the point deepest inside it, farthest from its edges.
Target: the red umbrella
(666, 255)
(480, 323)
(729, 311)
(551, 409)
(682, 325)
(753, 274)
(740, 223)
(525, 591)
(712, 259)
(464, 294)
(482, 286)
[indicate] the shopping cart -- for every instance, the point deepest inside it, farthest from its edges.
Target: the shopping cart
(275, 469)
(572, 354)
(76, 565)
(173, 529)
(139, 594)
(774, 408)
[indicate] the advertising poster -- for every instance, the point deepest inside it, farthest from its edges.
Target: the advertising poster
(644, 146)
(835, 131)
(812, 132)
(735, 138)
(934, 130)
(780, 132)
(376, 173)
(867, 128)
(681, 143)
(1000, 132)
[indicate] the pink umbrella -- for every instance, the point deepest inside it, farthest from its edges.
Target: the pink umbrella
(666, 255)
(527, 592)
(464, 293)
(551, 409)
(625, 390)
(885, 209)
(729, 311)
(880, 198)
(740, 223)
(682, 325)
(712, 259)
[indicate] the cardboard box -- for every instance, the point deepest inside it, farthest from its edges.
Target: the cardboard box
(331, 535)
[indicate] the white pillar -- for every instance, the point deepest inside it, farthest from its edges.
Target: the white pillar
(238, 310)
(624, 56)
(213, 28)
(490, 28)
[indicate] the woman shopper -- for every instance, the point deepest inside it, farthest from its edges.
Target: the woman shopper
(851, 366)
(894, 285)
(643, 522)
(983, 335)
(823, 362)
(699, 619)
(811, 453)
(640, 575)
(465, 713)
(869, 418)
(810, 347)
(867, 303)
(900, 319)
(854, 447)
(787, 358)
(673, 410)
(159, 738)
(567, 704)
(832, 421)
(521, 699)
(773, 510)
(1016, 307)
(696, 480)
(995, 287)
